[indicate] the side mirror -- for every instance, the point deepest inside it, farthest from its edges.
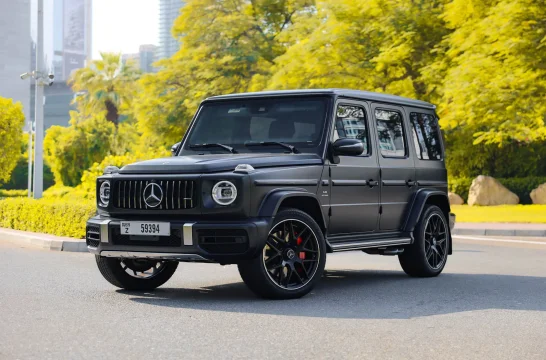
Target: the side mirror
(174, 148)
(349, 147)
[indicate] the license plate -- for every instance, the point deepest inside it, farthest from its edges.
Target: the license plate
(146, 228)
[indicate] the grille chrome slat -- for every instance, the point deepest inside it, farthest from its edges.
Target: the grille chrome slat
(177, 194)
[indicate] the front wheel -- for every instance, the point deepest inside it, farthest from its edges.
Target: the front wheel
(136, 274)
(292, 260)
(427, 256)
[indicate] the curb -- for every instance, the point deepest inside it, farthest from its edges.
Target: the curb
(43, 241)
(500, 232)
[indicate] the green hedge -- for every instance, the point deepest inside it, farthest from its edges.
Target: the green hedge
(50, 216)
(12, 193)
(522, 187)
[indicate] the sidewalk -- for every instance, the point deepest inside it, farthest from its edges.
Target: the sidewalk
(43, 241)
(500, 229)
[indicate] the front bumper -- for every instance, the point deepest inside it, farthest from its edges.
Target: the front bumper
(191, 240)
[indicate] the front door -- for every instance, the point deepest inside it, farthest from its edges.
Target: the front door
(397, 168)
(354, 180)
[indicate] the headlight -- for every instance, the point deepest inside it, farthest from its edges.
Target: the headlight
(104, 193)
(224, 193)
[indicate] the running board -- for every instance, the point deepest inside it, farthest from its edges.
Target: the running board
(359, 245)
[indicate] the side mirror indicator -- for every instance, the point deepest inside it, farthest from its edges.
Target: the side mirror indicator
(174, 148)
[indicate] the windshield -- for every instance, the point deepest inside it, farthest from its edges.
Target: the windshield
(258, 125)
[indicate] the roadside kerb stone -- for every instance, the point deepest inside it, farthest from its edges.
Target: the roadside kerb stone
(43, 241)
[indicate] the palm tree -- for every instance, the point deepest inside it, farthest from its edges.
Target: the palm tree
(106, 85)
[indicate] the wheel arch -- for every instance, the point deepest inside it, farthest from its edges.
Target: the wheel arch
(293, 198)
(425, 197)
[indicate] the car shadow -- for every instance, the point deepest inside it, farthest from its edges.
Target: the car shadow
(367, 294)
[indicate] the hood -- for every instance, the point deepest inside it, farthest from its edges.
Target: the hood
(217, 163)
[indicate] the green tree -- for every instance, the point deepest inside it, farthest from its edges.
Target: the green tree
(69, 151)
(107, 85)
(227, 47)
(494, 74)
(378, 45)
(12, 120)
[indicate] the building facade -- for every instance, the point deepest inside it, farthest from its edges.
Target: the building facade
(15, 51)
(168, 12)
(144, 58)
(67, 35)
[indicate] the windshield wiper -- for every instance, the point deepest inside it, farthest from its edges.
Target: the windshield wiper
(205, 146)
(292, 148)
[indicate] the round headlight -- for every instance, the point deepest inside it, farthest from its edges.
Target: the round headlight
(224, 193)
(104, 193)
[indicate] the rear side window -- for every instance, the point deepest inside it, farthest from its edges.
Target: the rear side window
(426, 136)
(390, 133)
(351, 123)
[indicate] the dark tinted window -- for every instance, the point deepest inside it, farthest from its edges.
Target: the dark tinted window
(296, 121)
(351, 123)
(390, 133)
(426, 136)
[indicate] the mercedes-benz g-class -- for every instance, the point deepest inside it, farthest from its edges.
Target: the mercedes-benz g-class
(272, 182)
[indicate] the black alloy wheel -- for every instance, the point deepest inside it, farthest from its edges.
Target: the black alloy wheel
(435, 241)
(427, 256)
(136, 274)
(291, 254)
(292, 259)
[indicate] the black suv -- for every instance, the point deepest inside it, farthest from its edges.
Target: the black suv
(272, 181)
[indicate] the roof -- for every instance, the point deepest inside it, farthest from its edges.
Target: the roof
(356, 94)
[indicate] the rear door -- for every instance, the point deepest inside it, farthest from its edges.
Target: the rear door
(430, 169)
(397, 167)
(354, 180)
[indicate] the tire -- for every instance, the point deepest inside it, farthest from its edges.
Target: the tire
(112, 269)
(292, 260)
(427, 256)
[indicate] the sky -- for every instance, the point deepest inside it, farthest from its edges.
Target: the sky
(124, 25)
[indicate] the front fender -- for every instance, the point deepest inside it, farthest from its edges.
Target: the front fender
(273, 200)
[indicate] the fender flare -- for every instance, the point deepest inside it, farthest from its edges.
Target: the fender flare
(272, 201)
(418, 204)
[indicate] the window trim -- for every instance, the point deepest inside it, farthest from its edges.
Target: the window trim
(406, 147)
(438, 137)
(366, 118)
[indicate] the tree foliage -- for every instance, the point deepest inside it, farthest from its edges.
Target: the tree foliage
(106, 85)
(11, 132)
(227, 47)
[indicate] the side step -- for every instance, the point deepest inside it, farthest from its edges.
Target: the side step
(367, 244)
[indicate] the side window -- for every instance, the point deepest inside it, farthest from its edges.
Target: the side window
(351, 123)
(390, 132)
(426, 136)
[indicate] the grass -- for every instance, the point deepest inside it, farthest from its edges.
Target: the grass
(535, 214)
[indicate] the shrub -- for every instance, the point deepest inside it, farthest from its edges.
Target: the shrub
(522, 187)
(12, 193)
(56, 217)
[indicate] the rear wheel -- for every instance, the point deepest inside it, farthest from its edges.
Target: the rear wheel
(292, 260)
(427, 256)
(136, 274)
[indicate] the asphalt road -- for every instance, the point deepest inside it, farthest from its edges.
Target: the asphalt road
(490, 303)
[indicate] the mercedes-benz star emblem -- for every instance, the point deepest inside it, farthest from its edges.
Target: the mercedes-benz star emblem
(153, 195)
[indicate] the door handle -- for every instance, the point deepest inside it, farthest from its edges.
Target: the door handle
(410, 183)
(372, 183)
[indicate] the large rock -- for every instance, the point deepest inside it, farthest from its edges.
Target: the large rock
(486, 190)
(455, 199)
(538, 195)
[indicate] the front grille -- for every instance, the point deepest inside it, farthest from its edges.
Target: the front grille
(92, 237)
(174, 240)
(223, 241)
(177, 194)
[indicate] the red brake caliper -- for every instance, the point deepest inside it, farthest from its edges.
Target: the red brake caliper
(299, 241)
